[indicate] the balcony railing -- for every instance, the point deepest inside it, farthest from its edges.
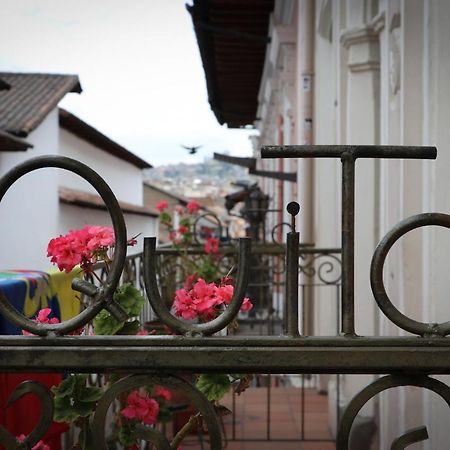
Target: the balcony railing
(409, 361)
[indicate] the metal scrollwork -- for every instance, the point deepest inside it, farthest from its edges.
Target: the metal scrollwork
(45, 420)
(382, 384)
(102, 296)
(178, 325)
(277, 230)
(199, 234)
(151, 435)
(325, 266)
(376, 275)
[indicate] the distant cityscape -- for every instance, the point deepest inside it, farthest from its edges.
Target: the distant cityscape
(208, 182)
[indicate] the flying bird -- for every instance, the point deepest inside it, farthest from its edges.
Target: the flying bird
(192, 150)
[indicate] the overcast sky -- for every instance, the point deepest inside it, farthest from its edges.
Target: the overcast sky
(139, 67)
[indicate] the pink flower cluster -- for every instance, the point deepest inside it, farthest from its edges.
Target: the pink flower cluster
(161, 205)
(39, 446)
(80, 247)
(42, 317)
(204, 300)
(193, 207)
(211, 245)
(141, 407)
(162, 392)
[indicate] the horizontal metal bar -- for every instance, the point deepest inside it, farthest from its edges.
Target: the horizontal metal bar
(356, 151)
(271, 355)
(261, 249)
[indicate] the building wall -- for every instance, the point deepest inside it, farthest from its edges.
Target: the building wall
(28, 210)
(124, 178)
(72, 217)
(380, 77)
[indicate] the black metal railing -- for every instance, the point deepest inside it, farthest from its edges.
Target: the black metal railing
(409, 361)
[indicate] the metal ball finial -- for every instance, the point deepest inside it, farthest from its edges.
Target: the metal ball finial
(293, 208)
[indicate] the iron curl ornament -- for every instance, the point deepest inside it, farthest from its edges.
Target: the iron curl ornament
(156, 438)
(376, 275)
(45, 419)
(380, 385)
(102, 296)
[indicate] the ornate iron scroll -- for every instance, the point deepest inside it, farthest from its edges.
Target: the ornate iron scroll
(197, 351)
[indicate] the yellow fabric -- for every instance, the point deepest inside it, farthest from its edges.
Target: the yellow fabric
(61, 285)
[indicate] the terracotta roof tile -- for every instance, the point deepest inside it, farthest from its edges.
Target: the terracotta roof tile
(94, 201)
(30, 98)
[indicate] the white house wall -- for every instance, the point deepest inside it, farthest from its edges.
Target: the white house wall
(124, 178)
(27, 212)
(76, 217)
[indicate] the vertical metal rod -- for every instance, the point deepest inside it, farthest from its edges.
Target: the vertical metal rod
(303, 408)
(233, 429)
(291, 302)
(269, 382)
(304, 325)
(348, 244)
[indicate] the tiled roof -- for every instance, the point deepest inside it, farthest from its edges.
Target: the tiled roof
(88, 133)
(30, 98)
(94, 201)
(10, 143)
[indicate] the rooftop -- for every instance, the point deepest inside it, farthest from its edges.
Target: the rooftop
(232, 36)
(84, 131)
(30, 98)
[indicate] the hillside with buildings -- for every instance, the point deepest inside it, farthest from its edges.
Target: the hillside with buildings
(207, 182)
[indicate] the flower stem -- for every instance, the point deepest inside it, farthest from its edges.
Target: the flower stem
(185, 430)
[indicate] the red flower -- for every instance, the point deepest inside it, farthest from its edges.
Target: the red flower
(193, 207)
(39, 446)
(212, 245)
(141, 407)
(183, 229)
(42, 317)
(162, 392)
(161, 206)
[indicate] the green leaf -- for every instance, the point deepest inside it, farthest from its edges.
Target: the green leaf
(105, 324)
(213, 386)
(130, 328)
(127, 436)
(90, 394)
(63, 410)
(83, 409)
(130, 298)
(66, 387)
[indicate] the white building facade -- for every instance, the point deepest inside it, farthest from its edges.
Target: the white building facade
(36, 208)
(370, 72)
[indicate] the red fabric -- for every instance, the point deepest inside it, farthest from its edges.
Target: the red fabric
(22, 416)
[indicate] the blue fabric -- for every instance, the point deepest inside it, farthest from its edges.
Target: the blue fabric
(20, 286)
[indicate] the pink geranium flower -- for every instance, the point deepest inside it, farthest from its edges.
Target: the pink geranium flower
(212, 245)
(203, 299)
(99, 237)
(162, 392)
(39, 446)
(247, 305)
(193, 207)
(79, 247)
(183, 229)
(42, 317)
(161, 205)
(141, 408)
